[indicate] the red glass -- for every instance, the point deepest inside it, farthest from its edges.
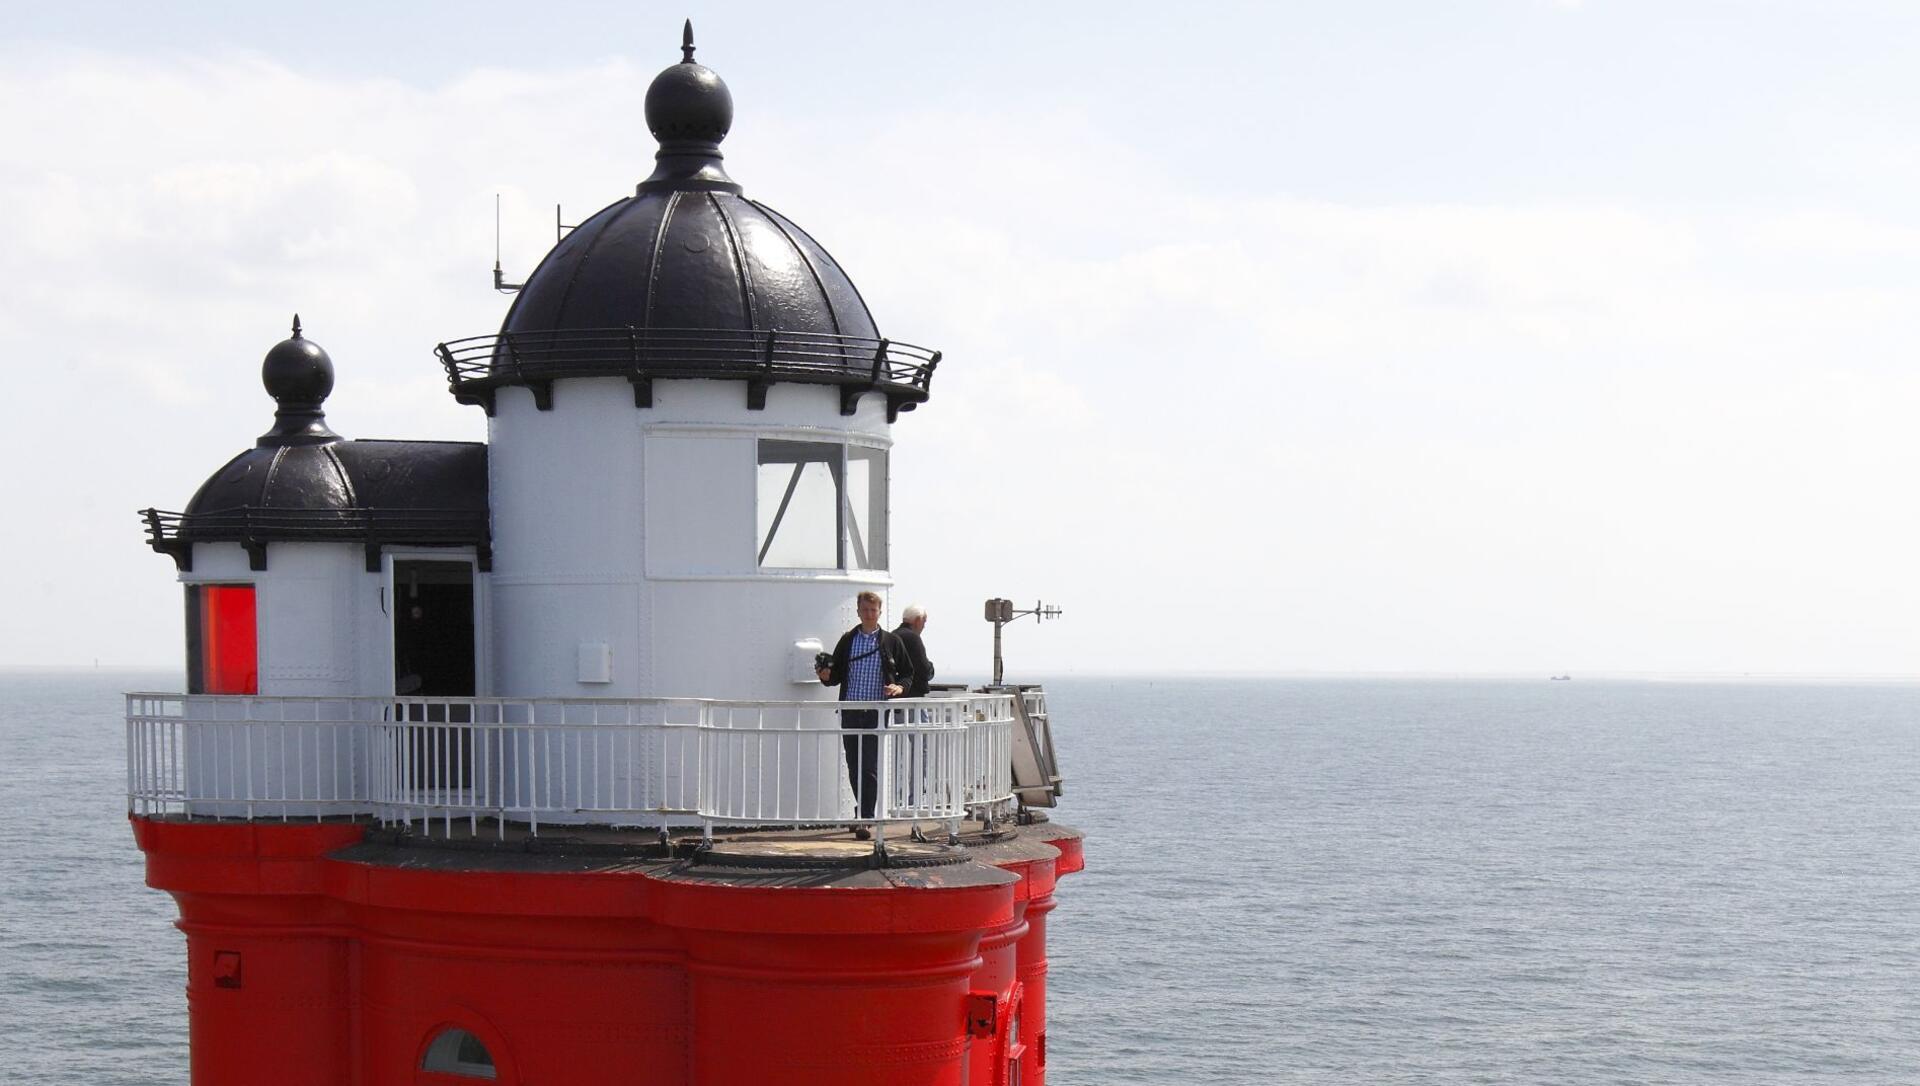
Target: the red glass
(229, 656)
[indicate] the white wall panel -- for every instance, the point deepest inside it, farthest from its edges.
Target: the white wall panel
(635, 527)
(306, 604)
(699, 516)
(539, 626)
(309, 604)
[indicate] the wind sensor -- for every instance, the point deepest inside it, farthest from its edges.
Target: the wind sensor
(1000, 612)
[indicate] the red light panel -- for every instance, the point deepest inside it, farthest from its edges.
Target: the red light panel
(229, 644)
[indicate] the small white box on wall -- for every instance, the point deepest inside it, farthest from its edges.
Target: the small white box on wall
(800, 664)
(596, 662)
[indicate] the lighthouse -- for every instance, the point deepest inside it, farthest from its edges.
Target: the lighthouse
(510, 762)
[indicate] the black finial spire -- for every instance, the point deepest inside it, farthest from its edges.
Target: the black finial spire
(689, 110)
(298, 375)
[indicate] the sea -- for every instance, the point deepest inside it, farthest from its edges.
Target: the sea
(1288, 881)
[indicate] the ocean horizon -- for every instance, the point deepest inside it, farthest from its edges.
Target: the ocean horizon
(1302, 880)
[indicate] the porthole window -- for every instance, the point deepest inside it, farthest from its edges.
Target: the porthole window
(457, 1052)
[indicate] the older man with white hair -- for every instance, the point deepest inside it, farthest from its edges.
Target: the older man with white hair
(913, 621)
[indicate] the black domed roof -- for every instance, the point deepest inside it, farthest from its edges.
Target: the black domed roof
(301, 481)
(687, 250)
(680, 260)
(368, 492)
(344, 477)
(302, 477)
(687, 278)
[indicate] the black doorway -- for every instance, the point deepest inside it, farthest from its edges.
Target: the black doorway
(433, 657)
(433, 650)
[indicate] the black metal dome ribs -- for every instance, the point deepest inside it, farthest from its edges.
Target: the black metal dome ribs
(689, 279)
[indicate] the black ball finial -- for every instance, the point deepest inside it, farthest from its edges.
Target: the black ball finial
(298, 374)
(688, 101)
(689, 110)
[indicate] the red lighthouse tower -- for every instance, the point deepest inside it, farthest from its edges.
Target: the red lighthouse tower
(509, 762)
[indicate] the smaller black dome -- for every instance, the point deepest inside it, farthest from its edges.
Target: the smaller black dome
(299, 376)
(373, 493)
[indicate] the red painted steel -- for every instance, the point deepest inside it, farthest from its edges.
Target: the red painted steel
(995, 978)
(1021, 966)
(309, 967)
(1033, 981)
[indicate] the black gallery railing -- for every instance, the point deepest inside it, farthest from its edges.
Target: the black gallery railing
(479, 365)
(253, 527)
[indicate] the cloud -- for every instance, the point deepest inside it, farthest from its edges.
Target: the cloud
(1237, 430)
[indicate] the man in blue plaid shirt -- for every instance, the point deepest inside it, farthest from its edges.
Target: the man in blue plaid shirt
(869, 664)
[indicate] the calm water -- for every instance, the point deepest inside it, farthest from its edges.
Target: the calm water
(1288, 881)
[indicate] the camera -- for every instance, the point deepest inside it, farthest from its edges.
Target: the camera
(823, 661)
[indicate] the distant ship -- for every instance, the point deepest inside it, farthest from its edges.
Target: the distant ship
(1559, 678)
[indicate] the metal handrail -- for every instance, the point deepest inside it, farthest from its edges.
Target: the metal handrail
(249, 521)
(477, 364)
(616, 761)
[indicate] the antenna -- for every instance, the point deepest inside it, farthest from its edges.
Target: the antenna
(1000, 612)
(560, 231)
(499, 279)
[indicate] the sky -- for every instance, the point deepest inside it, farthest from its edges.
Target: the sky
(1506, 336)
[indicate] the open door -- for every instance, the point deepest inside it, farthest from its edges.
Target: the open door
(434, 657)
(433, 643)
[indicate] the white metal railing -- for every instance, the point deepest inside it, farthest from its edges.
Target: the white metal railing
(247, 756)
(638, 761)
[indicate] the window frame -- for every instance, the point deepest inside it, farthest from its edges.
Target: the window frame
(199, 671)
(847, 521)
(1010, 1068)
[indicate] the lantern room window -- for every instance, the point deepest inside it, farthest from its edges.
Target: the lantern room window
(821, 505)
(866, 507)
(223, 644)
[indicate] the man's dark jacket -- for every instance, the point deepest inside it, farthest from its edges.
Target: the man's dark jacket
(917, 654)
(895, 667)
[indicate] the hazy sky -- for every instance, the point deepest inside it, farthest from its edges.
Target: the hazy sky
(1512, 336)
